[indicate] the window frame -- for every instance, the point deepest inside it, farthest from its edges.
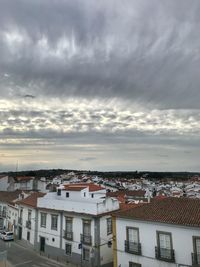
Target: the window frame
(134, 264)
(109, 225)
(45, 216)
(162, 253)
(194, 239)
(164, 233)
(53, 216)
(70, 246)
(83, 254)
(127, 233)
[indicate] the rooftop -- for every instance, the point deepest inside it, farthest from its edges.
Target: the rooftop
(9, 197)
(31, 200)
(180, 211)
(80, 186)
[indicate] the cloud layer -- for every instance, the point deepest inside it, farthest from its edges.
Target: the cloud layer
(104, 73)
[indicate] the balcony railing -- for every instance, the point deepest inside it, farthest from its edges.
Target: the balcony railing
(196, 259)
(28, 224)
(68, 235)
(133, 247)
(165, 254)
(20, 220)
(86, 239)
(3, 214)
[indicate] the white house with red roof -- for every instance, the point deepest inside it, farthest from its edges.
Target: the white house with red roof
(75, 224)
(163, 233)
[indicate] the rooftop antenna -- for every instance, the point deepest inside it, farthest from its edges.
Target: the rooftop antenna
(16, 169)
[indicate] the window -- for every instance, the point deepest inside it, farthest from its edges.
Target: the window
(28, 236)
(196, 244)
(164, 241)
(43, 220)
(68, 224)
(86, 236)
(134, 264)
(29, 215)
(86, 254)
(68, 228)
(109, 226)
(67, 194)
(132, 243)
(86, 227)
(133, 234)
(54, 222)
(59, 192)
(68, 249)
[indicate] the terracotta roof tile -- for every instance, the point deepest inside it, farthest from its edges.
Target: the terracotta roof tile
(23, 178)
(31, 200)
(181, 211)
(9, 197)
(80, 186)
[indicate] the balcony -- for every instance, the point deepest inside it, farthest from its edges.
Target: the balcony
(195, 259)
(165, 254)
(3, 214)
(86, 239)
(28, 224)
(133, 247)
(68, 235)
(20, 220)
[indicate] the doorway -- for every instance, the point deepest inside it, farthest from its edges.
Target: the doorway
(42, 244)
(20, 232)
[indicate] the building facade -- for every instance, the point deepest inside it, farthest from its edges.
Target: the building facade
(164, 233)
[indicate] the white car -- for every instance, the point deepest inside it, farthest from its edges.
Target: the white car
(6, 236)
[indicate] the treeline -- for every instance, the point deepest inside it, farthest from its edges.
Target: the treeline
(50, 173)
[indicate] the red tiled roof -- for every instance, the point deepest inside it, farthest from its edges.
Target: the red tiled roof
(23, 178)
(31, 200)
(9, 197)
(80, 186)
(133, 193)
(181, 211)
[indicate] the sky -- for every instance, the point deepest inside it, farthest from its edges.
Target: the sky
(100, 85)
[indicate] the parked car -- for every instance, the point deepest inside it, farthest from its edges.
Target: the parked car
(6, 236)
(1, 232)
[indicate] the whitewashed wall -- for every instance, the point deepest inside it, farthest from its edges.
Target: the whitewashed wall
(47, 232)
(181, 238)
(4, 183)
(33, 222)
(105, 251)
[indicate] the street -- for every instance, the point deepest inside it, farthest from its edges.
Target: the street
(20, 256)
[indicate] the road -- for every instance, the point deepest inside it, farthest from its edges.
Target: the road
(19, 256)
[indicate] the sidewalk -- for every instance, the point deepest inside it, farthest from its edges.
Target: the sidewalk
(5, 264)
(61, 263)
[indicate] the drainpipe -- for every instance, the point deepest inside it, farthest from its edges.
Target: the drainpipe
(36, 229)
(61, 228)
(114, 241)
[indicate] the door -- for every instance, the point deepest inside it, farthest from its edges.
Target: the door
(42, 244)
(20, 233)
(1, 223)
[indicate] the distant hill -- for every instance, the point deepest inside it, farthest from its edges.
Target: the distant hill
(110, 175)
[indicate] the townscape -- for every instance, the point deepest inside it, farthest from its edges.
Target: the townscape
(87, 220)
(99, 133)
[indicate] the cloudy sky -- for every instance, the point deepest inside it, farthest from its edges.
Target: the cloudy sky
(100, 85)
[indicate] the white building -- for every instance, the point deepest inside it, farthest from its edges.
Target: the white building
(75, 224)
(4, 182)
(27, 218)
(163, 233)
(8, 208)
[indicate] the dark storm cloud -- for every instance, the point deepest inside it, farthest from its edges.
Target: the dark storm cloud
(146, 51)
